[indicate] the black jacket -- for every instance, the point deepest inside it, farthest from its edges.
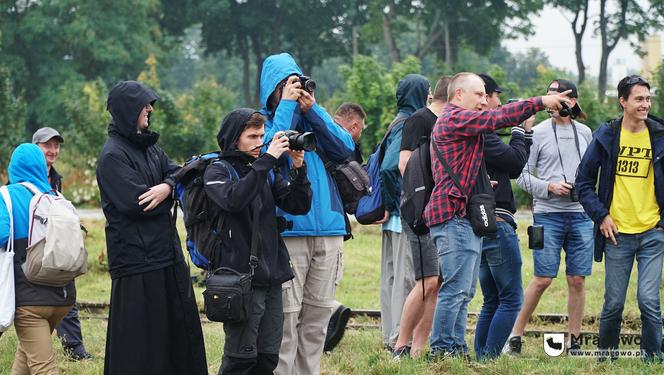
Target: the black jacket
(128, 166)
(505, 162)
(256, 185)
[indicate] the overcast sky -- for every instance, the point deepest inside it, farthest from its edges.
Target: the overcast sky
(553, 34)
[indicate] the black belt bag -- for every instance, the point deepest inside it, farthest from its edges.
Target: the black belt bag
(228, 293)
(227, 296)
(482, 214)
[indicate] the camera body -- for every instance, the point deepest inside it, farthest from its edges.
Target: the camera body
(573, 193)
(536, 237)
(301, 141)
(307, 84)
(566, 111)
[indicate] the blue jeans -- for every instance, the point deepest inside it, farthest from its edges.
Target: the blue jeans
(572, 231)
(500, 279)
(459, 261)
(648, 248)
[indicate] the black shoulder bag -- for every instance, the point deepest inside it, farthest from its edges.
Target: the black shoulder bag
(481, 207)
(228, 293)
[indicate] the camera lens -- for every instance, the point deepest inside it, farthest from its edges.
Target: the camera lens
(301, 141)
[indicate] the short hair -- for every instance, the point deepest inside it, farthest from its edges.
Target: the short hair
(459, 80)
(440, 91)
(625, 85)
(255, 121)
(348, 109)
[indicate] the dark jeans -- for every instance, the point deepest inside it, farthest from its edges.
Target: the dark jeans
(500, 280)
(648, 249)
(253, 347)
(69, 332)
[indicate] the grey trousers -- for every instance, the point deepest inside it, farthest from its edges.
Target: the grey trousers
(308, 302)
(397, 279)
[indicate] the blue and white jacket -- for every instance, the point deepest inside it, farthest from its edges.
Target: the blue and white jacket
(326, 216)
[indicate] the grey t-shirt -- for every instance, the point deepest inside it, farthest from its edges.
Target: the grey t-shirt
(544, 165)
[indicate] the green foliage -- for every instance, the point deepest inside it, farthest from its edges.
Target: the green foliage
(12, 119)
(370, 84)
(658, 99)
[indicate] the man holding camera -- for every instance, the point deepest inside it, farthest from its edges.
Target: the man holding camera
(243, 184)
(315, 240)
(558, 146)
(457, 146)
(628, 211)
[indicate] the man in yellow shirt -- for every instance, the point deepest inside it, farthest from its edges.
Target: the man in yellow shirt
(628, 155)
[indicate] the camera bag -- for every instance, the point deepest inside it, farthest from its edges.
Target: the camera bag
(228, 293)
(481, 208)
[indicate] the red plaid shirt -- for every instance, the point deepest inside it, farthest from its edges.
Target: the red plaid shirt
(458, 136)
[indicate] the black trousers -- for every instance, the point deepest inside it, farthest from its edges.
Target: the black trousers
(154, 326)
(253, 346)
(69, 332)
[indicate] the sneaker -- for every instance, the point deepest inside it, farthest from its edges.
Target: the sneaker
(513, 346)
(77, 356)
(336, 327)
(399, 353)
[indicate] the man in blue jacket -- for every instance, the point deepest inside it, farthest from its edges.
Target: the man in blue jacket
(397, 277)
(628, 153)
(315, 240)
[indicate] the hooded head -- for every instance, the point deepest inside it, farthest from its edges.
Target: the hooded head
(231, 128)
(28, 164)
(412, 93)
(276, 68)
(125, 103)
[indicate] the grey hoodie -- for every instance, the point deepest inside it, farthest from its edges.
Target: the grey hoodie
(544, 165)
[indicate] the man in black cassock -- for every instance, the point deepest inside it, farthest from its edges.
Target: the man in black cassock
(153, 323)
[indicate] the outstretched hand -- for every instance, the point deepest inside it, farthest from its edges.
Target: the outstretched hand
(552, 102)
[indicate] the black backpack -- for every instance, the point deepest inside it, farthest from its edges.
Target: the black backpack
(416, 187)
(202, 218)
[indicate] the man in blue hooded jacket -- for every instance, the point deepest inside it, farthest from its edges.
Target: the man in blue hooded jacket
(315, 240)
(397, 276)
(627, 155)
(39, 308)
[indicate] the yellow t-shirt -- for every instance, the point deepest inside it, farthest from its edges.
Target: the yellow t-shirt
(634, 207)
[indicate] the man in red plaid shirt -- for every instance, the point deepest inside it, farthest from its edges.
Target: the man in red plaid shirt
(458, 136)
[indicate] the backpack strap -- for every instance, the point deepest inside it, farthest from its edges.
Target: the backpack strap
(33, 189)
(401, 117)
(4, 192)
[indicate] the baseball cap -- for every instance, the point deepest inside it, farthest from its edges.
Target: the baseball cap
(45, 134)
(490, 85)
(564, 85)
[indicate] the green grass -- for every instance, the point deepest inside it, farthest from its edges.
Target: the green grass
(360, 351)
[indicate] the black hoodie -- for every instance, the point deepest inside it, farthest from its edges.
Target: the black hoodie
(236, 199)
(129, 165)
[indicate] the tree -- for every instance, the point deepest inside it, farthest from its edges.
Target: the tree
(631, 18)
(579, 23)
(12, 119)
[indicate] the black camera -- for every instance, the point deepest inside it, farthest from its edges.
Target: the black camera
(536, 237)
(513, 100)
(301, 141)
(308, 84)
(566, 111)
(573, 193)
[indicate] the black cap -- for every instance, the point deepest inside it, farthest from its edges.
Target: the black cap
(564, 85)
(490, 85)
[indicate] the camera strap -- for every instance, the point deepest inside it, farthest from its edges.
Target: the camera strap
(576, 142)
(255, 235)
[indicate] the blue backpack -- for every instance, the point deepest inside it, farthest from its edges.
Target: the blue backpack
(370, 207)
(203, 220)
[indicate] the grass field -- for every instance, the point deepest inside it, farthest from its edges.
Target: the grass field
(360, 351)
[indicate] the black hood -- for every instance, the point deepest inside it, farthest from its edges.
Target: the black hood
(125, 102)
(412, 93)
(231, 128)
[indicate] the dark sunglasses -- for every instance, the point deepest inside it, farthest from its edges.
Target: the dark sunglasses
(636, 79)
